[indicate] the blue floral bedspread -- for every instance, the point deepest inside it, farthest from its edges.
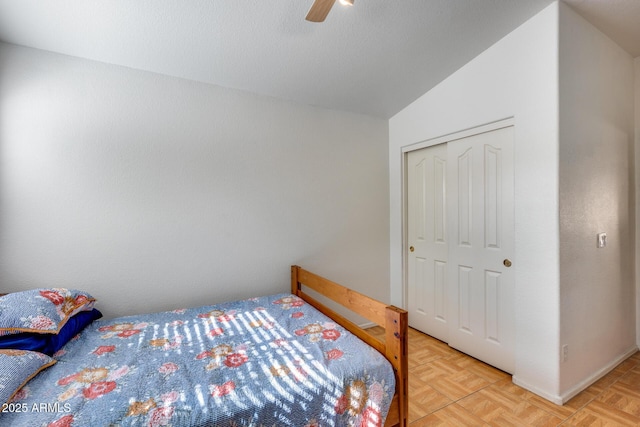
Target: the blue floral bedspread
(270, 361)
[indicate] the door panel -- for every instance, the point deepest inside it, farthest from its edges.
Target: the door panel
(465, 200)
(427, 230)
(481, 198)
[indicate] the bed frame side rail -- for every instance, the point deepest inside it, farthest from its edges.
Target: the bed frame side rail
(393, 319)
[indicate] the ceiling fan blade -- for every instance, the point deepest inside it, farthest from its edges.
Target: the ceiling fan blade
(319, 10)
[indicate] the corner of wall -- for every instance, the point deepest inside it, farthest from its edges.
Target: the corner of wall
(637, 187)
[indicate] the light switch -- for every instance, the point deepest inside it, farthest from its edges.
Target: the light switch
(602, 240)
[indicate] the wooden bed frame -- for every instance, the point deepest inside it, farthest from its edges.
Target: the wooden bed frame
(392, 319)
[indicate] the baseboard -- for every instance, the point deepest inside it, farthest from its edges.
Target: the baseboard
(563, 398)
(575, 390)
(367, 325)
(550, 397)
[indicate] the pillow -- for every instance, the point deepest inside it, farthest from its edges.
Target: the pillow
(50, 343)
(17, 367)
(73, 327)
(43, 311)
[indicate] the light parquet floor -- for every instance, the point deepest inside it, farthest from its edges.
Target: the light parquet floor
(449, 388)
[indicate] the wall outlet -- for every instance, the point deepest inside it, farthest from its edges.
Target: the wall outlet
(565, 353)
(602, 240)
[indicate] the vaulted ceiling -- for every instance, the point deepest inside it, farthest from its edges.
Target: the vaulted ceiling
(373, 58)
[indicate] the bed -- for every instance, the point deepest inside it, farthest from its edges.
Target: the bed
(279, 360)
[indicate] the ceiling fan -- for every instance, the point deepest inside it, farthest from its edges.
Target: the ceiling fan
(320, 9)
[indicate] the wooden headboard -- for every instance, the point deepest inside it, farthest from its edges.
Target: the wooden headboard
(394, 321)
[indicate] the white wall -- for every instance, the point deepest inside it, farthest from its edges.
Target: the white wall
(153, 192)
(597, 308)
(517, 77)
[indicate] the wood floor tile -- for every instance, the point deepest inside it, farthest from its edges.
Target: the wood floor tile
(626, 366)
(450, 416)
(621, 396)
(599, 414)
(424, 399)
(526, 419)
(605, 382)
(581, 399)
(561, 411)
(460, 386)
(426, 352)
(636, 357)
(426, 349)
(631, 379)
(508, 386)
(377, 331)
(436, 369)
(450, 379)
(498, 408)
(489, 373)
(429, 342)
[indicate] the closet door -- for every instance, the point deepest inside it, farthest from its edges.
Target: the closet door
(481, 286)
(427, 234)
(460, 235)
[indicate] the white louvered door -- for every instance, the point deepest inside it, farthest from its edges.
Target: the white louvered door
(461, 225)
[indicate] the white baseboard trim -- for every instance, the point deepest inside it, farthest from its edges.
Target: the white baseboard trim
(367, 325)
(550, 397)
(563, 398)
(573, 391)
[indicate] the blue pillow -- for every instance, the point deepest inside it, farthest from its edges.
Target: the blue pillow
(50, 343)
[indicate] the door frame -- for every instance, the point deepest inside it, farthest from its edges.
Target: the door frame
(405, 150)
